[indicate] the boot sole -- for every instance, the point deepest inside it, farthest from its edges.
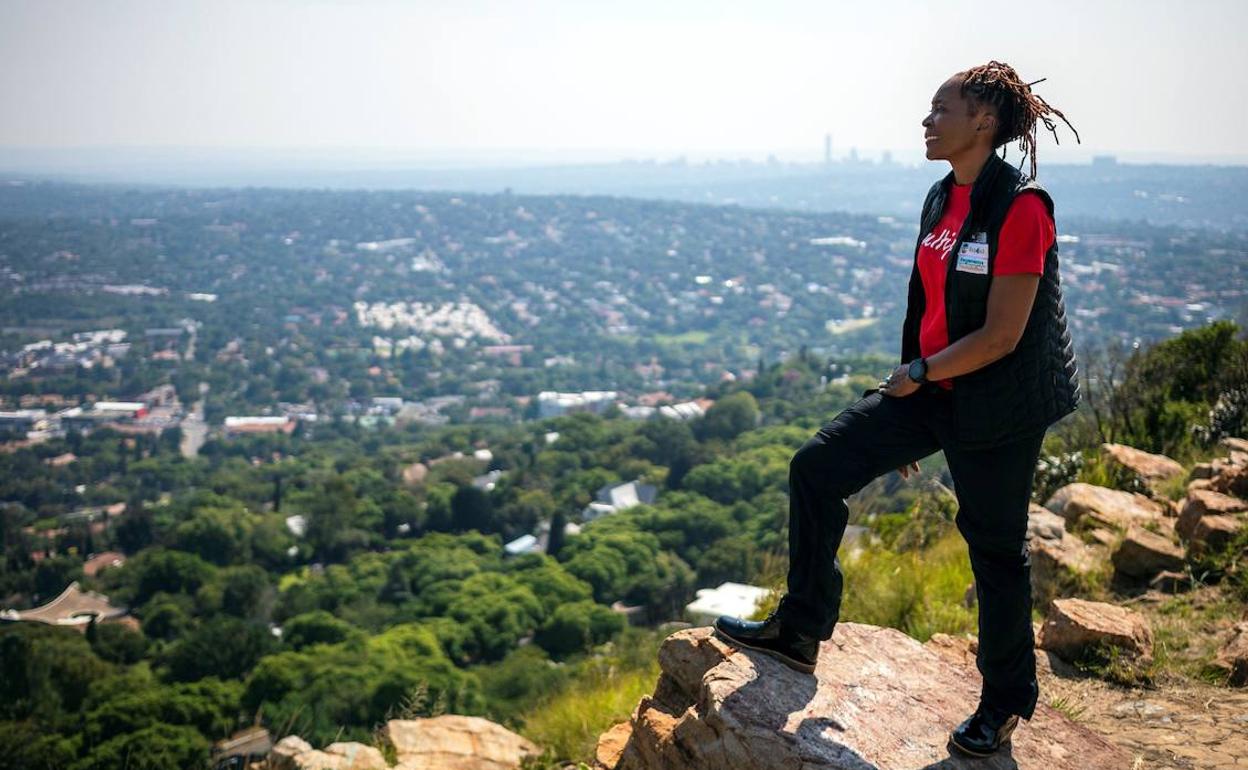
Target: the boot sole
(796, 665)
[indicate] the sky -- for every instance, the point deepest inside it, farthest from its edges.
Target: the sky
(1144, 79)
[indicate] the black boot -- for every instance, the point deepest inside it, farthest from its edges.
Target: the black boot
(983, 732)
(793, 648)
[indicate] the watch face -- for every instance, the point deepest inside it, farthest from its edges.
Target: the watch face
(918, 370)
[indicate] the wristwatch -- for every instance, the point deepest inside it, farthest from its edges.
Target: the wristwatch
(917, 370)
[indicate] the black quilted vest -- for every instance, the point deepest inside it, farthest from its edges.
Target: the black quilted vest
(1036, 384)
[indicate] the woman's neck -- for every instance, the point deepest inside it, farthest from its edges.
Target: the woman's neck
(967, 166)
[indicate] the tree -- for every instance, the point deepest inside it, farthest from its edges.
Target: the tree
(730, 416)
(471, 509)
(222, 647)
(116, 643)
(157, 747)
(317, 627)
(577, 627)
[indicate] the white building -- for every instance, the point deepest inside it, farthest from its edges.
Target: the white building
(734, 599)
(611, 499)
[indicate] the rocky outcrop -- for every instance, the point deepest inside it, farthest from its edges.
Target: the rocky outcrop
(448, 742)
(454, 742)
(1151, 470)
(1075, 628)
(878, 699)
(1087, 505)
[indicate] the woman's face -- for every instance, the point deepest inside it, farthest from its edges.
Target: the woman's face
(950, 129)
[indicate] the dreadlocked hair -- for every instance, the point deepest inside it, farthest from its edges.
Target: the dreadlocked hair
(1017, 108)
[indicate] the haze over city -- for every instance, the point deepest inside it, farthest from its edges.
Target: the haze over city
(493, 83)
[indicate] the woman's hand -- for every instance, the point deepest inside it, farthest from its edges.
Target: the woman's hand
(898, 384)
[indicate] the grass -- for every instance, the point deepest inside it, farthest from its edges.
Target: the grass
(567, 724)
(919, 592)
(684, 338)
(1067, 708)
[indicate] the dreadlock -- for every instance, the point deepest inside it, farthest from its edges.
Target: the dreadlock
(1017, 108)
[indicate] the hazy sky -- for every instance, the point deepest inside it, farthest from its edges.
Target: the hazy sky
(640, 77)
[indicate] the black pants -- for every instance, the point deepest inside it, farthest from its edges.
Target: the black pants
(879, 434)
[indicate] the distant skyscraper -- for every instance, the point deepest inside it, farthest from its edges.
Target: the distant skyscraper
(827, 149)
(887, 157)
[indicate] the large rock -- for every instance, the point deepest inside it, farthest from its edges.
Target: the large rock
(1061, 567)
(282, 755)
(1213, 533)
(1142, 554)
(1088, 504)
(1044, 524)
(1153, 470)
(1234, 444)
(1231, 480)
(878, 699)
(1233, 658)
(294, 753)
(1205, 502)
(1075, 627)
(357, 756)
(454, 742)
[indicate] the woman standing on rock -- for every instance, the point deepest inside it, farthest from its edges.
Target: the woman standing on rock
(987, 366)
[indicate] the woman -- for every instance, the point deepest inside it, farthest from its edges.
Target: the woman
(987, 366)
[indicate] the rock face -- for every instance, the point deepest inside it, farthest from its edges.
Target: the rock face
(453, 742)
(1075, 626)
(1153, 470)
(1088, 504)
(878, 699)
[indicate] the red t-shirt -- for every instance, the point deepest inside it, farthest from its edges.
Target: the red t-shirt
(1026, 235)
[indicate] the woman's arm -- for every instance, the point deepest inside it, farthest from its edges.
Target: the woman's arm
(1009, 304)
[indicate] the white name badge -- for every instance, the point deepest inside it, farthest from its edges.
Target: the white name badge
(973, 258)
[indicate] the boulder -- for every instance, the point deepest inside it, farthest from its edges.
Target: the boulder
(1044, 524)
(1233, 657)
(1213, 533)
(454, 742)
(1088, 504)
(1142, 554)
(1234, 444)
(1201, 471)
(1205, 502)
(357, 756)
(282, 755)
(1059, 566)
(1075, 627)
(1231, 480)
(878, 699)
(294, 753)
(1153, 470)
